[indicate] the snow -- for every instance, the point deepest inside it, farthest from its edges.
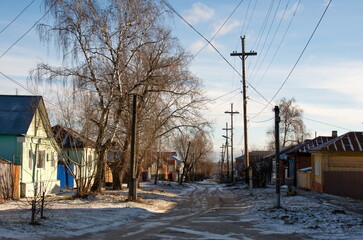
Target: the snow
(319, 216)
(313, 214)
(68, 216)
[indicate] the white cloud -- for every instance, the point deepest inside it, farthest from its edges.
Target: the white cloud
(230, 26)
(290, 11)
(196, 46)
(199, 13)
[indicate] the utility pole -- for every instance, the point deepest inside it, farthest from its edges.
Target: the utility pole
(227, 146)
(133, 181)
(222, 163)
(243, 55)
(231, 112)
(277, 155)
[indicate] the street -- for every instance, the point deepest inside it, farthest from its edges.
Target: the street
(207, 212)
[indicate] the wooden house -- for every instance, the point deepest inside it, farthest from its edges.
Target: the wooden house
(26, 140)
(337, 166)
(77, 159)
(242, 171)
(299, 157)
(169, 166)
(271, 160)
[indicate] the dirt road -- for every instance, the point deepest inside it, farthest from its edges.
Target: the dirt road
(206, 212)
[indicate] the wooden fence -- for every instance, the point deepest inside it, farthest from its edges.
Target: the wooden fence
(9, 181)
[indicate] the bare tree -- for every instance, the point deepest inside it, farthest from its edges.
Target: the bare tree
(195, 148)
(115, 48)
(292, 127)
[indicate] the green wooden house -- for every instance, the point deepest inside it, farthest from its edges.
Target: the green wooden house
(27, 140)
(77, 159)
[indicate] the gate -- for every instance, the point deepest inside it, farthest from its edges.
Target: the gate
(344, 183)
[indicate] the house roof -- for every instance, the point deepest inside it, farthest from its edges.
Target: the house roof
(16, 113)
(254, 154)
(305, 146)
(282, 151)
(349, 142)
(68, 138)
(2, 160)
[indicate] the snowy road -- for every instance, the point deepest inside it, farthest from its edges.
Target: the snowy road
(207, 212)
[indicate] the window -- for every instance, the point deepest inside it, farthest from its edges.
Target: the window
(52, 159)
(317, 169)
(30, 156)
(41, 159)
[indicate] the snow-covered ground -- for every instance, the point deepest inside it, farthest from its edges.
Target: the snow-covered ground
(315, 215)
(68, 216)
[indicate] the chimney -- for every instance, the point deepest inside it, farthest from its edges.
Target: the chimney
(334, 134)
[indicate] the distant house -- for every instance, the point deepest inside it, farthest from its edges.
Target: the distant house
(299, 157)
(337, 166)
(26, 140)
(271, 161)
(240, 164)
(169, 167)
(76, 159)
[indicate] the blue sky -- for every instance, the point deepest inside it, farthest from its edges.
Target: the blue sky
(326, 83)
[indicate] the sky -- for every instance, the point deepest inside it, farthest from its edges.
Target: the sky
(326, 81)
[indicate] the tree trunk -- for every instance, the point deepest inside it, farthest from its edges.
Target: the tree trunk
(100, 173)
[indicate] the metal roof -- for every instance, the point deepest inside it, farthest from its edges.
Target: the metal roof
(16, 113)
(309, 144)
(68, 138)
(349, 142)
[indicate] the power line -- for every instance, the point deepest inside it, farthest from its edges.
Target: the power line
(12, 45)
(225, 94)
(27, 89)
(299, 58)
(17, 16)
(328, 124)
(282, 39)
(258, 62)
(220, 28)
(220, 54)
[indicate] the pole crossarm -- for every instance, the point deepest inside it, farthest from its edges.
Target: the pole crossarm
(233, 54)
(243, 56)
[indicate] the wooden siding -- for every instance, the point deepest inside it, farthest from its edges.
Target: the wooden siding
(344, 183)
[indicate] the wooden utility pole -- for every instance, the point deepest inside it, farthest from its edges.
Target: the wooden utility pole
(185, 165)
(277, 155)
(222, 162)
(133, 180)
(231, 112)
(227, 146)
(243, 55)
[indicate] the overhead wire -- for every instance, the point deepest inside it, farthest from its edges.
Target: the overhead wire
(211, 44)
(27, 89)
(299, 58)
(22, 36)
(281, 41)
(258, 62)
(9, 24)
(220, 28)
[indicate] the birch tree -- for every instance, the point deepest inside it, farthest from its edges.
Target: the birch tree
(115, 48)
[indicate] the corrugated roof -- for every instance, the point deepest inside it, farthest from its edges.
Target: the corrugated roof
(282, 151)
(349, 142)
(16, 113)
(309, 144)
(68, 138)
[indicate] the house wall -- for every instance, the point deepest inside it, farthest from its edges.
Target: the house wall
(33, 176)
(8, 148)
(84, 161)
(335, 163)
